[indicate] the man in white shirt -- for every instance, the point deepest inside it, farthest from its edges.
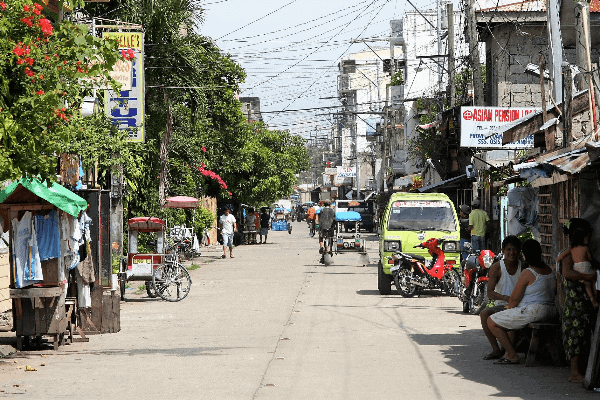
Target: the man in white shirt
(228, 225)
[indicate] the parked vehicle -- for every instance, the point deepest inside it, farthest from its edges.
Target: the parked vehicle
(409, 219)
(413, 273)
(473, 287)
(363, 207)
(280, 220)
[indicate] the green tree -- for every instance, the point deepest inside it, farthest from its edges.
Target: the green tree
(45, 71)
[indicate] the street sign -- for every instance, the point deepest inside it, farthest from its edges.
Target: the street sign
(330, 171)
(477, 123)
(346, 172)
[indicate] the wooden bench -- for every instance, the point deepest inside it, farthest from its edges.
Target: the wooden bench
(549, 334)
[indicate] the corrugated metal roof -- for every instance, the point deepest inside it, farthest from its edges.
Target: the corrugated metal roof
(571, 163)
(522, 6)
(512, 6)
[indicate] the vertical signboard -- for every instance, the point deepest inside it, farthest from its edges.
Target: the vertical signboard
(126, 108)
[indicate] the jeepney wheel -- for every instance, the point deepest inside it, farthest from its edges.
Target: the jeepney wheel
(384, 283)
(328, 259)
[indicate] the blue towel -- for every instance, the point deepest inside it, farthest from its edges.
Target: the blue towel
(47, 235)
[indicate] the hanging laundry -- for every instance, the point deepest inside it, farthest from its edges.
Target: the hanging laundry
(48, 235)
(27, 268)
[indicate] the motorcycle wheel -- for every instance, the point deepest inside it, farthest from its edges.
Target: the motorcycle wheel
(405, 288)
(466, 307)
(478, 302)
(451, 282)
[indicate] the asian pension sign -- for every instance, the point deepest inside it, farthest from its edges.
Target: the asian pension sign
(476, 124)
(126, 108)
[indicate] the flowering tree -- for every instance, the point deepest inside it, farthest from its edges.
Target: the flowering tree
(45, 71)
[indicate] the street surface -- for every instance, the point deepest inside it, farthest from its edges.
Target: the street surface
(273, 323)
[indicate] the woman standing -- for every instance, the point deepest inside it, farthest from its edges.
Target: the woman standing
(576, 321)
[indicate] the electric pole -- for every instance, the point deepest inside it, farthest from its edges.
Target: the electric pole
(451, 83)
(474, 53)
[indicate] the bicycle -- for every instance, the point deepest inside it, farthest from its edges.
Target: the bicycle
(171, 281)
(327, 249)
(311, 227)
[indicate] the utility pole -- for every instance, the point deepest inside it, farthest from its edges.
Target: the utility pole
(439, 44)
(451, 83)
(583, 45)
(474, 53)
(556, 48)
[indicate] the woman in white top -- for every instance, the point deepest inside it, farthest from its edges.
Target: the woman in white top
(532, 300)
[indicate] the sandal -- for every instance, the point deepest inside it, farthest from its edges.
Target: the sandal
(505, 361)
(493, 356)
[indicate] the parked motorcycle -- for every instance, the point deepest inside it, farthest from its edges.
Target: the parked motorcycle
(412, 273)
(473, 287)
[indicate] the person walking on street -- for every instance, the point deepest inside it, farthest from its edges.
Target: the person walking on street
(478, 223)
(325, 219)
(265, 218)
(465, 232)
(228, 225)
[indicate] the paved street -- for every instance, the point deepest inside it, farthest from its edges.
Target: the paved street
(272, 323)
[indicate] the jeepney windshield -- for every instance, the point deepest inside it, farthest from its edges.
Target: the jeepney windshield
(421, 216)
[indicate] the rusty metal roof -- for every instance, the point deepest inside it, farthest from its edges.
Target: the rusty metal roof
(523, 6)
(571, 163)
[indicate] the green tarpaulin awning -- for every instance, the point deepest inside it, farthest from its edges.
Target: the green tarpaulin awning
(56, 194)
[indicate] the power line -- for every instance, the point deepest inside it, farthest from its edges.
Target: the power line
(256, 20)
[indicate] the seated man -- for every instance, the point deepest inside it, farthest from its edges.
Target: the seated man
(503, 277)
(325, 219)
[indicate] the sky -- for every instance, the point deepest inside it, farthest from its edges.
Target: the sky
(290, 50)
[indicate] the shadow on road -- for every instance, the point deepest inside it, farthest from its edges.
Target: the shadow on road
(463, 352)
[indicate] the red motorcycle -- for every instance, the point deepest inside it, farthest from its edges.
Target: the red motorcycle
(412, 273)
(473, 288)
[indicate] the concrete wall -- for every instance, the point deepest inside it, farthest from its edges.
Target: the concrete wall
(508, 52)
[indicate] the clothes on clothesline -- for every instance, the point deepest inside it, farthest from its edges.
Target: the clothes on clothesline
(48, 235)
(27, 267)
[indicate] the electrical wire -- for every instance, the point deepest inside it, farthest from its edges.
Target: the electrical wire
(256, 20)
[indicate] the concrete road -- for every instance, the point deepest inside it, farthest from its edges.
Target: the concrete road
(272, 323)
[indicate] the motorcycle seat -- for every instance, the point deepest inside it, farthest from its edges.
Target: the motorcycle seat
(416, 257)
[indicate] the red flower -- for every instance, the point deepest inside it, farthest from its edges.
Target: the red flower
(19, 51)
(203, 149)
(19, 61)
(29, 61)
(41, 76)
(27, 21)
(26, 8)
(229, 193)
(38, 6)
(29, 72)
(36, 12)
(39, 92)
(2, 6)
(79, 70)
(45, 26)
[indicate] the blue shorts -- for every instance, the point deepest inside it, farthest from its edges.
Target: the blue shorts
(264, 231)
(227, 239)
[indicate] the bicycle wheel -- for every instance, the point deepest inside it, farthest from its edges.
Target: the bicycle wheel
(171, 281)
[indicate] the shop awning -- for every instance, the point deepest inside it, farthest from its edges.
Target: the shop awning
(446, 183)
(181, 202)
(30, 190)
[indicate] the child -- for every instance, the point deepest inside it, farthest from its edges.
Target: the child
(582, 260)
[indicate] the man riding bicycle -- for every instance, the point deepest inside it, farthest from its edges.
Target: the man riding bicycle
(326, 220)
(310, 219)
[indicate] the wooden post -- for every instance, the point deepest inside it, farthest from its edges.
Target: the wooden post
(548, 133)
(474, 52)
(585, 21)
(451, 83)
(568, 106)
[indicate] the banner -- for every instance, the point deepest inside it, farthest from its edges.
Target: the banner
(126, 108)
(477, 123)
(346, 172)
